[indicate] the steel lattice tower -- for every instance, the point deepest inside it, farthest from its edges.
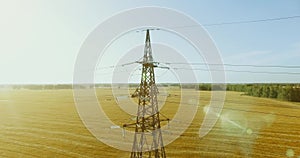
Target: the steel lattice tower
(148, 140)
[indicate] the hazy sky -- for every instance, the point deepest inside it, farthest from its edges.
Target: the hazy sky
(40, 39)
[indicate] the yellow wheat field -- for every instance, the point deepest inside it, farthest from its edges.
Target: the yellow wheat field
(45, 123)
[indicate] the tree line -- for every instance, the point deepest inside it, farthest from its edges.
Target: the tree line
(288, 92)
(41, 87)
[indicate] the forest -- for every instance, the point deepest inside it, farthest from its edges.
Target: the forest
(287, 92)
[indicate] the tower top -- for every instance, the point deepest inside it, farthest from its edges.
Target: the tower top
(147, 36)
(147, 50)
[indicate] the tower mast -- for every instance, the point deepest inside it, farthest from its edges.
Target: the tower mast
(148, 140)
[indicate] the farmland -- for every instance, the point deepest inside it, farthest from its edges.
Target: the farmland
(45, 123)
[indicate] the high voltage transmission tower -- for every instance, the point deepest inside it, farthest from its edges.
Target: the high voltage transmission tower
(148, 140)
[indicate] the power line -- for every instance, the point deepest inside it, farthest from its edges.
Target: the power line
(199, 69)
(225, 70)
(239, 65)
(126, 64)
(114, 66)
(230, 65)
(254, 21)
(223, 23)
(242, 22)
(242, 71)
